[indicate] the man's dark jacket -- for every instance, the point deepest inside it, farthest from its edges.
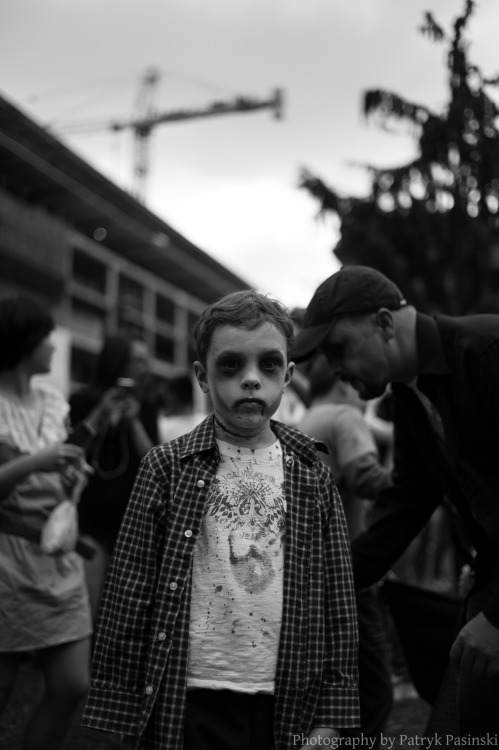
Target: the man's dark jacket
(458, 362)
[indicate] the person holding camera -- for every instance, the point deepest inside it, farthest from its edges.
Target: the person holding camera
(115, 418)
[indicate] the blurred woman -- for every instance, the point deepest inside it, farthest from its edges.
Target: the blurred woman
(43, 599)
(117, 416)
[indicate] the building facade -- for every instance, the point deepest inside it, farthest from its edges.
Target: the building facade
(99, 258)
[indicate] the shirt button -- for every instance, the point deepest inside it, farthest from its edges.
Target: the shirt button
(161, 636)
(201, 483)
(149, 690)
(173, 585)
(188, 533)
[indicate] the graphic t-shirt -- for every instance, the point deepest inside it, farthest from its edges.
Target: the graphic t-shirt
(237, 577)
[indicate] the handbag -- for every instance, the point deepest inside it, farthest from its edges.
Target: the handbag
(60, 530)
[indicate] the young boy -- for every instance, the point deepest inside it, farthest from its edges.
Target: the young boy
(228, 617)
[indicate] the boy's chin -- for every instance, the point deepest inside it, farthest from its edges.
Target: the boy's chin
(250, 422)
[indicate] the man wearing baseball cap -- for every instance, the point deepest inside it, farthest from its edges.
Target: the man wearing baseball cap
(444, 375)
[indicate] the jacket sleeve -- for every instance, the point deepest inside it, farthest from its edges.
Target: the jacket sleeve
(400, 511)
(124, 621)
(485, 377)
(337, 705)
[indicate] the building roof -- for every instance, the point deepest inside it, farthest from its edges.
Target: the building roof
(39, 169)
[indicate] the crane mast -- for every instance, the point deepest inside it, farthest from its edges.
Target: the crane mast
(144, 109)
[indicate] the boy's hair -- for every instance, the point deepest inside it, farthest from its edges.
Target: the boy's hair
(247, 309)
(24, 324)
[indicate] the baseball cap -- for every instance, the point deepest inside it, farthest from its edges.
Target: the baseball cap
(351, 290)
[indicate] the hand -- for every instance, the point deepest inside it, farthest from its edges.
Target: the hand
(466, 580)
(321, 737)
(110, 409)
(131, 407)
(75, 478)
(59, 457)
(476, 649)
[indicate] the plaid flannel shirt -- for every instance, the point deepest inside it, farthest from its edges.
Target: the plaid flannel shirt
(140, 663)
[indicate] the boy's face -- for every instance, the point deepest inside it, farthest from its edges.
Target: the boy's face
(245, 375)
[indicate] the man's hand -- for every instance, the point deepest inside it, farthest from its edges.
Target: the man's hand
(319, 734)
(476, 649)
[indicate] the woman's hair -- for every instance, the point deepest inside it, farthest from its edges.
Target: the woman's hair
(112, 360)
(246, 309)
(24, 324)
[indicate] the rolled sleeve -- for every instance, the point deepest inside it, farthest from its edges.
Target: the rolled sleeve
(112, 710)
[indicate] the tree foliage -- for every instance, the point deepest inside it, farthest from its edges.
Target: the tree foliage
(432, 224)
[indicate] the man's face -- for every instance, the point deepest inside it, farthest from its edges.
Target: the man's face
(356, 349)
(245, 374)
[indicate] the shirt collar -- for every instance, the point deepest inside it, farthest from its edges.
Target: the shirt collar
(431, 357)
(202, 438)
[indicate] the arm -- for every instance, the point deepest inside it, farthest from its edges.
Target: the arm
(381, 429)
(110, 408)
(140, 438)
(365, 476)
(400, 511)
(123, 628)
(337, 705)
(357, 455)
(476, 649)
(56, 457)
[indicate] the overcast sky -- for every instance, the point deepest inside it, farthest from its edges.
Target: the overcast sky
(229, 183)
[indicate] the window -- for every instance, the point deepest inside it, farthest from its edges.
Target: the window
(88, 272)
(130, 295)
(165, 349)
(165, 309)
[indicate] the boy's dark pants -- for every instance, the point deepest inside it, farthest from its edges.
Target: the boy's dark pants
(226, 720)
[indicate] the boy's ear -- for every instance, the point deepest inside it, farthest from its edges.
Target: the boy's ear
(289, 373)
(200, 373)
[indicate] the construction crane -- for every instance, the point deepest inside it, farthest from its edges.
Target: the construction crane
(146, 120)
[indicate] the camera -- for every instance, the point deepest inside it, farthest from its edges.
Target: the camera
(126, 384)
